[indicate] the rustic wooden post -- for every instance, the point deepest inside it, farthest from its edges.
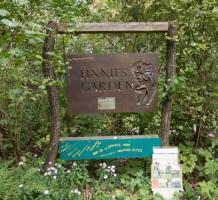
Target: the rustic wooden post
(49, 73)
(170, 74)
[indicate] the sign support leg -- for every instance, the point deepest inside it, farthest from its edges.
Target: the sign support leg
(49, 73)
(170, 74)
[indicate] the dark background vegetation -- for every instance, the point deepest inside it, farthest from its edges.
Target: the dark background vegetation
(24, 107)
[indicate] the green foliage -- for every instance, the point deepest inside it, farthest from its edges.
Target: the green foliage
(201, 168)
(208, 190)
(25, 112)
(23, 97)
(70, 181)
(189, 192)
(6, 189)
(188, 159)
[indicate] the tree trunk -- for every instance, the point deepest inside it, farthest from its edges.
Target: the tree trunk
(7, 134)
(170, 74)
(49, 73)
(1, 143)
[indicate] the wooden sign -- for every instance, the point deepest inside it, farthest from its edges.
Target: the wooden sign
(112, 83)
(106, 147)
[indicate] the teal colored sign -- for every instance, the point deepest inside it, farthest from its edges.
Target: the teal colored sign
(86, 148)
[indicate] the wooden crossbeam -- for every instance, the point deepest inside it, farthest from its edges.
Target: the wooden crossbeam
(108, 137)
(117, 27)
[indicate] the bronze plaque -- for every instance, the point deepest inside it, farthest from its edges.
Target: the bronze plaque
(112, 83)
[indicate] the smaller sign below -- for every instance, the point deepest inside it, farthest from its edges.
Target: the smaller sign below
(106, 103)
(107, 147)
(166, 172)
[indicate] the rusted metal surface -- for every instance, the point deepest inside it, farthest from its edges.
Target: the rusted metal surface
(112, 83)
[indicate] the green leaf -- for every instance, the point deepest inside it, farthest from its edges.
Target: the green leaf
(9, 23)
(4, 61)
(211, 167)
(215, 143)
(4, 12)
(16, 52)
(30, 32)
(215, 9)
(207, 189)
(22, 2)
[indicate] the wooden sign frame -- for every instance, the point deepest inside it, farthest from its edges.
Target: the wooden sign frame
(93, 28)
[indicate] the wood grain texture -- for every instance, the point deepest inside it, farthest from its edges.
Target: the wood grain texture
(53, 93)
(108, 137)
(170, 75)
(129, 27)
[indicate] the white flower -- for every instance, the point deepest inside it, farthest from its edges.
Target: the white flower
(100, 164)
(59, 166)
(49, 162)
(38, 170)
(76, 191)
(113, 170)
(115, 175)
(104, 165)
(211, 135)
(54, 177)
(20, 186)
(35, 155)
(49, 173)
(68, 171)
(46, 192)
(56, 164)
(105, 176)
(114, 196)
(45, 174)
(113, 166)
(74, 164)
(20, 163)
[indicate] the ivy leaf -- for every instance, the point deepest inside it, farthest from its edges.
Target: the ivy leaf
(4, 12)
(9, 23)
